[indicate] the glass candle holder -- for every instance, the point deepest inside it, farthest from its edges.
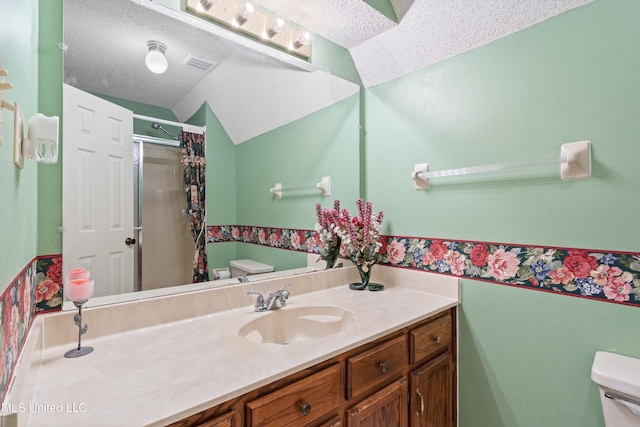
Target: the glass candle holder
(79, 288)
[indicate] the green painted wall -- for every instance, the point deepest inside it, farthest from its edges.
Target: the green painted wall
(18, 187)
(50, 104)
(322, 144)
(329, 56)
(525, 356)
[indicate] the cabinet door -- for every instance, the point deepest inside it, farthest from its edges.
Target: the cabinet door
(431, 390)
(388, 407)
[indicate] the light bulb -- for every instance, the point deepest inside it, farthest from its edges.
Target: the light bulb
(245, 12)
(304, 39)
(277, 25)
(206, 5)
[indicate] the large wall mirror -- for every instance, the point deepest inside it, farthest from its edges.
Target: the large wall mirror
(239, 93)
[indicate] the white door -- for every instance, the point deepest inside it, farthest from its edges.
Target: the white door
(97, 190)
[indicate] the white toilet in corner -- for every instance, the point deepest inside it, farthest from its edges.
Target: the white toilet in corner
(246, 267)
(619, 380)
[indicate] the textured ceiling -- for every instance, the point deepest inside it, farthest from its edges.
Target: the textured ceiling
(250, 93)
(427, 31)
(107, 43)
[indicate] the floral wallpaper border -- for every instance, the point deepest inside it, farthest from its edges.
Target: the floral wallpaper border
(611, 276)
(37, 288)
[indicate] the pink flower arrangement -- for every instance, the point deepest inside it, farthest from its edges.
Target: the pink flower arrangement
(329, 222)
(361, 235)
(357, 237)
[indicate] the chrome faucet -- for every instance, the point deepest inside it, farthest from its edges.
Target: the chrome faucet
(277, 299)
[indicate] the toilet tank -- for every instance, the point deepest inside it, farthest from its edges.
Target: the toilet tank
(619, 380)
(246, 267)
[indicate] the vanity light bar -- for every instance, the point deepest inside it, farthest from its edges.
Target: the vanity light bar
(231, 36)
(574, 160)
(247, 17)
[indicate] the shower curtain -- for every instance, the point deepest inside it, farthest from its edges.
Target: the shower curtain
(194, 162)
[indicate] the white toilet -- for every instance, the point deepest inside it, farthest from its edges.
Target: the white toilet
(246, 267)
(619, 380)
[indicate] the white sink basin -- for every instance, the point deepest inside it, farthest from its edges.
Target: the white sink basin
(297, 324)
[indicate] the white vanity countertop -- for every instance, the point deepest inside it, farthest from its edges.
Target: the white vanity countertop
(152, 376)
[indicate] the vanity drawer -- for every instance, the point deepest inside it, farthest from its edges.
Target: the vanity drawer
(430, 339)
(376, 366)
(299, 404)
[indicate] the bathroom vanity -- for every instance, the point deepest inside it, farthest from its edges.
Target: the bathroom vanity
(331, 357)
(404, 378)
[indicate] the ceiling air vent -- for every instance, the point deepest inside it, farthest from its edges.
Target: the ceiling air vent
(200, 64)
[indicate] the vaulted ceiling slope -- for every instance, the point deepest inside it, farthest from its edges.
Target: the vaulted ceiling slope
(426, 31)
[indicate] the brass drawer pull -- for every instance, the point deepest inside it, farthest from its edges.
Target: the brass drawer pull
(421, 410)
(305, 408)
(437, 339)
(384, 367)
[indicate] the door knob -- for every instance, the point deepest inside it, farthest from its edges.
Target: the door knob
(129, 241)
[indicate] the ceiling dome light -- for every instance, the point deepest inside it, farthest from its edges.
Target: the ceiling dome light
(155, 59)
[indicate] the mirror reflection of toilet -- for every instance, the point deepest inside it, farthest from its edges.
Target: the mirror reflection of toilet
(246, 267)
(619, 380)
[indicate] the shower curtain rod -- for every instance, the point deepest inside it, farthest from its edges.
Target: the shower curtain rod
(185, 126)
(157, 141)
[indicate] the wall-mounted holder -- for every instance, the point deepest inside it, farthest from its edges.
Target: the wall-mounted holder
(42, 139)
(574, 160)
(3, 104)
(324, 186)
(41, 143)
(18, 135)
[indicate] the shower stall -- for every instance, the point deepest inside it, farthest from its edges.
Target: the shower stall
(165, 247)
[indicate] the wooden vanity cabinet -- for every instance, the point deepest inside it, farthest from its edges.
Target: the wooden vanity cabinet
(301, 403)
(387, 407)
(372, 368)
(431, 393)
(404, 379)
(221, 421)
